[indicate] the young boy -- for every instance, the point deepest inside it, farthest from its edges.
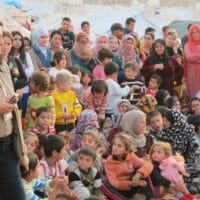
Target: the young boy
(154, 84)
(67, 105)
(139, 88)
(115, 92)
(90, 139)
(104, 56)
(43, 122)
(85, 175)
(95, 98)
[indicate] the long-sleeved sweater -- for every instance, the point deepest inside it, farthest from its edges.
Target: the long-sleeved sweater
(119, 173)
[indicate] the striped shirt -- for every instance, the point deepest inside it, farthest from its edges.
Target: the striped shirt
(135, 96)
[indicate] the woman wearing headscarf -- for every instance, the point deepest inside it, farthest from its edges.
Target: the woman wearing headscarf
(192, 61)
(41, 47)
(100, 43)
(178, 133)
(87, 120)
(81, 54)
(159, 62)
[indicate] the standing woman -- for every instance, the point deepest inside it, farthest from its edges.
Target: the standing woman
(192, 61)
(11, 136)
(41, 47)
(81, 54)
(148, 43)
(158, 62)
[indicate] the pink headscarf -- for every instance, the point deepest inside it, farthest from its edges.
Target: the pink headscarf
(191, 41)
(98, 46)
(126, 53)
(82, 50)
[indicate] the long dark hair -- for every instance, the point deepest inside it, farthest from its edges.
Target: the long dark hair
(22, 54)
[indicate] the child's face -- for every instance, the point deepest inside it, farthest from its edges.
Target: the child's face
(156, 122)
(169, 41)
(60, 155)
(153, 84)
(35, 173)
(118, 148)
(86, 79)
(85, 162)
(123, 107)
(67, 145)
(30, 143)
(107, 60)
(65, 86)
(195, 105)
(88, 141)
(177, 106)
(98, 95)
(129, 73)
(63, 62)
(27, 45)
(158, 154)
(166, 123)
(44, 120)
(101, 150)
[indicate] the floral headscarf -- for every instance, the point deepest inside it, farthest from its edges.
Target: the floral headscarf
(180, 135)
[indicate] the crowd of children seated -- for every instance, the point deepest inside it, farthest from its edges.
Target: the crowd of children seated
(116, 124)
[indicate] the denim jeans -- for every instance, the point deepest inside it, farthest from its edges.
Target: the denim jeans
(11, 187)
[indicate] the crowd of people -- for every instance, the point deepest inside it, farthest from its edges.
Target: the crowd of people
(86, 116)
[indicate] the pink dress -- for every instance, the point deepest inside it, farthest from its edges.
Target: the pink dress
(171, 169)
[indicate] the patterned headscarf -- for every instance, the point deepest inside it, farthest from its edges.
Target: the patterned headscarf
(37, 34)
(180, 135)
(86, 121)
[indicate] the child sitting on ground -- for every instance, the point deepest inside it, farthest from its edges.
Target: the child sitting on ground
(85, 175)
(31, 141)
(171, 169)
(43, 122)
(67, 105)
(32, 184)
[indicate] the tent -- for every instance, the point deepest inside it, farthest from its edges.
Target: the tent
(181, 26)
(13, 3)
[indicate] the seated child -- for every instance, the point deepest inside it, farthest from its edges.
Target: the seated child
(66, 136)
(89, 139)
(131, 79)
(171, 169)
(104, 56)
(39, 151)
(32, 184)
(125, 172)
(31, 141)
(154, 84)
(67, 105)
(95, 98)
(85, 175)
(43, 122)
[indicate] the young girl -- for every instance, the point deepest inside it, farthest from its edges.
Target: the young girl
(43, 122)
(31, 141)
(86, 79)
(39, 98)
(31, 182)
(125, 172)
(59, 64)
(169, 168)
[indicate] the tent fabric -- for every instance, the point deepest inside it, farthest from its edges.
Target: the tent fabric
(180, 26)
(14, 3)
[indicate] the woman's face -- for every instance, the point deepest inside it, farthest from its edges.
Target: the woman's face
(159, 48)
(177, 106)
(129, 43)
(56, 41)
(148, 40)
(103, 40)
(84, 41)
(113, 44)
(195, 35)
(43, 40)
(141, 126)
(17, 41)
(169, 40)
(7, 45)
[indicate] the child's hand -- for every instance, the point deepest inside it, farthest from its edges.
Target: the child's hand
(186, 174)
(136, 179)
